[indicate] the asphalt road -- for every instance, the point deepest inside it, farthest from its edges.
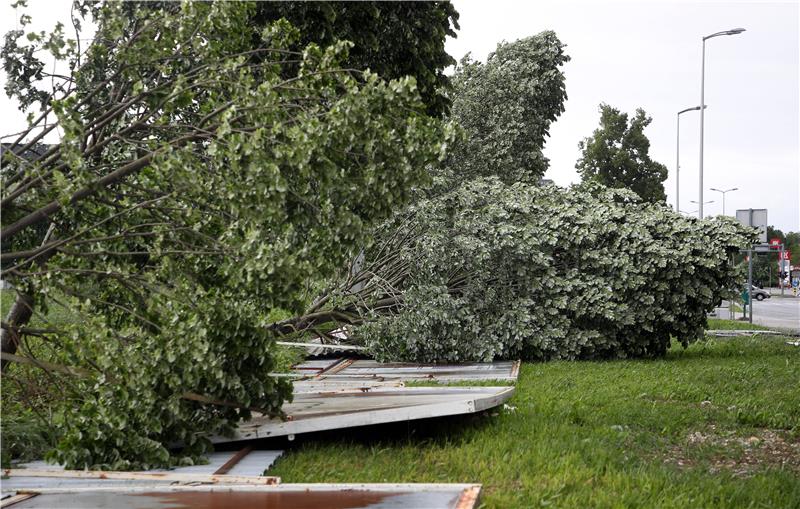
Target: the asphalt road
(781, 312)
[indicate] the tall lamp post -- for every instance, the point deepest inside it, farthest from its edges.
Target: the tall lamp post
(678, 159)
(733, 31)
(723, 195)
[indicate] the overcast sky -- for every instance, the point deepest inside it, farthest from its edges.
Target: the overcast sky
(646, 54)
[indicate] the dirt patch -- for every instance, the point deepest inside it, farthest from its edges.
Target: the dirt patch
(741, 455)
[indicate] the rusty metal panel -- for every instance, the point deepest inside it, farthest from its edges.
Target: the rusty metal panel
(287, 496)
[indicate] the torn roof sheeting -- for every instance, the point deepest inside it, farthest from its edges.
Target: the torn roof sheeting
(286, 496)
(319, 411)
(344, 393)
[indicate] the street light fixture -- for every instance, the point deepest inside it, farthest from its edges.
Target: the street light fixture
(678, 159)
(723, 195)
(700, 205)
(733, 31)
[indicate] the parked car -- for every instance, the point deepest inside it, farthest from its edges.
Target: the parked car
(760, 293)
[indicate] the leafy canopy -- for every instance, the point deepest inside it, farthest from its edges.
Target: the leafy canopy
(505, 107)
(391, 39)
(617, 155)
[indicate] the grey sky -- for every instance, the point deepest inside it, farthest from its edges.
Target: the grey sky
(647, 54)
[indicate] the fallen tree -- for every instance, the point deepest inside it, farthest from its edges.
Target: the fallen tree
(198, 184)
(490, 265)
(492, 270)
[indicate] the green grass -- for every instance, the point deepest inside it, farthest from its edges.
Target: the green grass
(721, 324)
(705, 427)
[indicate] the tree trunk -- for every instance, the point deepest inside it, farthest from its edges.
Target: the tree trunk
(18, 316)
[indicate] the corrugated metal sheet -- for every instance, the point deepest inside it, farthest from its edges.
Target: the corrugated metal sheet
(287, 496)
(341, 393)
(318, 411)
(252, 464)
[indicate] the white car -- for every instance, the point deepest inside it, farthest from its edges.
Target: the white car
(759, 293)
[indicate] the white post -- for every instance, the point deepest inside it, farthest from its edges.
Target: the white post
(678, 167)
(702, 121)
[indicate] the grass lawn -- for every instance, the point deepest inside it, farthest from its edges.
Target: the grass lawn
(722, 324)
(716, 425)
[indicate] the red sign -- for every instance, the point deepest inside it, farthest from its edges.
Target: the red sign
(776, 242)
(786, 255)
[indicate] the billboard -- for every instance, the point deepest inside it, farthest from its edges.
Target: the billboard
(757, 218)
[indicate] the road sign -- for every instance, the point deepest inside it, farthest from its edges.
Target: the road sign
(775, 243)
(756, 218)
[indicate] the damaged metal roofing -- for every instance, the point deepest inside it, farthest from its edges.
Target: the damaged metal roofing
(342, 393)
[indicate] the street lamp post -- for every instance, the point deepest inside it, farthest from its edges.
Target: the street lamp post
(703, 103)
(678, 159)
(723, 195)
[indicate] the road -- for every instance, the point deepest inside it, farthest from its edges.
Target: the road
(781, 312)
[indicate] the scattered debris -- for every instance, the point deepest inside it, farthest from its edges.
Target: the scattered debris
(328, 394)
(230, 479)
(741, 455)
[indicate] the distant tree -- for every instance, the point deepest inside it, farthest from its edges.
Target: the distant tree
(617, 155)
(765, 266)
(392, 39)
(505, 107)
